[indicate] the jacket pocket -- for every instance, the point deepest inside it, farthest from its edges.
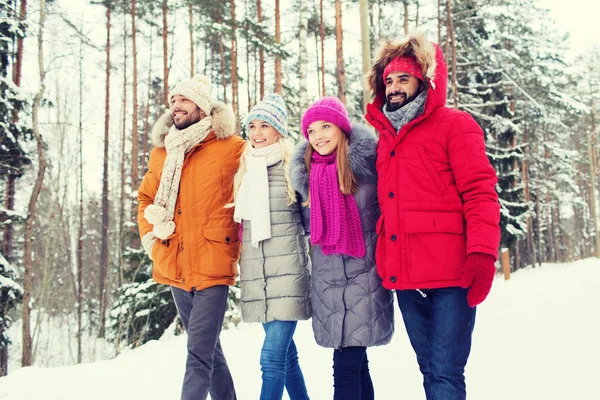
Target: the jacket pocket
(222, 251)
(433, 173)
(164, 258)
(437, 245)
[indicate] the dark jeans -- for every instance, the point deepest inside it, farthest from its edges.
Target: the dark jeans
(439, 324)
(351, 377)
(206, 371)
(279, 363)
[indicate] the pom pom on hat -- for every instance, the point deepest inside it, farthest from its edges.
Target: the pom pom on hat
(197, 89)
(272, 110)
(328, 109)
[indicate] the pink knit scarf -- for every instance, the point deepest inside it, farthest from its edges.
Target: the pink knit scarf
(334, 218)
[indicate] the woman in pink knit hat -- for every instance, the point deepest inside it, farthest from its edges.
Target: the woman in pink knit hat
(334, 172)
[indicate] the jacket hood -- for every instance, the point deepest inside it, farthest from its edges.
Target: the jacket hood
(223, 124)
(428, 55)
(362, 153)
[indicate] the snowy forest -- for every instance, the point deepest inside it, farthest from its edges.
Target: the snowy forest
(82, 82)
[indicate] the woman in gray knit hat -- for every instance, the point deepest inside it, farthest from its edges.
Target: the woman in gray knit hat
(274, 263)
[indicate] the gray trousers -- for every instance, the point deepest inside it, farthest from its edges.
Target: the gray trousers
(206, 371)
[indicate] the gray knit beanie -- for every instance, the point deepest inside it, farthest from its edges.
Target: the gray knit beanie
(271, 110)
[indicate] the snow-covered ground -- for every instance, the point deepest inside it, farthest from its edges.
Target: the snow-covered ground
(537, 337)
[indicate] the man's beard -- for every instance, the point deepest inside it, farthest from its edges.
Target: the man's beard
(185, 123)
(396, 106)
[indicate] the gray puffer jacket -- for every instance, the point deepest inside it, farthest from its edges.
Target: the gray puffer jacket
(350, 306)
(275, 277)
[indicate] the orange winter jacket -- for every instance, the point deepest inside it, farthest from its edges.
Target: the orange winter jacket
(204, 249)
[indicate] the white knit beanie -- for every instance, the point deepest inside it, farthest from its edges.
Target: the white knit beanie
(197, 90)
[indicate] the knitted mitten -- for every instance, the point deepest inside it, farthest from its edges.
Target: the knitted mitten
(479, 275)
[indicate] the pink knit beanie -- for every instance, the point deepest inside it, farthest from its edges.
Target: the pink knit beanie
(328, 109)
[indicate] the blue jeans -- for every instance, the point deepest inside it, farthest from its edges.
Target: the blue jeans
(439, 324)
(351, 377)
(279, 363)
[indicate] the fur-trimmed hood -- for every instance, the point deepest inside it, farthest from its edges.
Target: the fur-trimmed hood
(428, 55)
(223, 124)
(362, 153)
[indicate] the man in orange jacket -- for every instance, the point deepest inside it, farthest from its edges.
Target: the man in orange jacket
(186, 229)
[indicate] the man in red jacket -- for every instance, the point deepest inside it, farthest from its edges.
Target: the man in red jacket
(439, 230)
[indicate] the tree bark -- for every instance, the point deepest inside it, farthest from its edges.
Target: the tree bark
(192, 68)
(322, 34)
(439, 20)
(165, 34)
(105, 208)
(405, 3)
(222, 57)
(248, 78)
(123, 157)
(417, 14)
(366, 50)
(235, 101)
(278, 76)
(80, 232)
(340, 71)
(135, 141)
(261, 54)
(453, 39)
(303, 55)
(147, 111)
(32, 207)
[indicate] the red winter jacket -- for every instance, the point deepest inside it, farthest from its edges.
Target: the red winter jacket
(436, 187)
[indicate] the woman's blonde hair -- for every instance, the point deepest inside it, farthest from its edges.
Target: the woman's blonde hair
(345, 175)
(287, 149)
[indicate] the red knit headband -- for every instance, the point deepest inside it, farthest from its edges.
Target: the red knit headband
(403, 64)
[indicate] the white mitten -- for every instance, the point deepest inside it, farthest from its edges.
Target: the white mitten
(148, 241)
(155, 214)
(164, 229)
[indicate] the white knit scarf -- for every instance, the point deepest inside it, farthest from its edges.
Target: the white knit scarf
(252, 200)
(177, 143)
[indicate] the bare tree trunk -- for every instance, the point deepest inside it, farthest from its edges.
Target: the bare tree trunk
(453, 39)
(405, 3)
(165, 33)
(235, 102)
(317, 53)
(531, 253)
(278, 76)
(366, 50)
(123, 159)
(32, 207)
(340, 73)
(539, 217)
(147, 111)
(322, 34)
(135, 141)
(417, 14)
(439, 18)
(248, 78)
(303, 55)
(222, 57)
(80, 232)
(191, 11)
(105, 209)
(261, 53)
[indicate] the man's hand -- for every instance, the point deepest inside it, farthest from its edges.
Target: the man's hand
(479, 275)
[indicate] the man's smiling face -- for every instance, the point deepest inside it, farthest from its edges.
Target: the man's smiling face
(400, 89)
(185, 112)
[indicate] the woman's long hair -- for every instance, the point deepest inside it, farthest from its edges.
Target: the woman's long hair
(346, 177)
(287, 149)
